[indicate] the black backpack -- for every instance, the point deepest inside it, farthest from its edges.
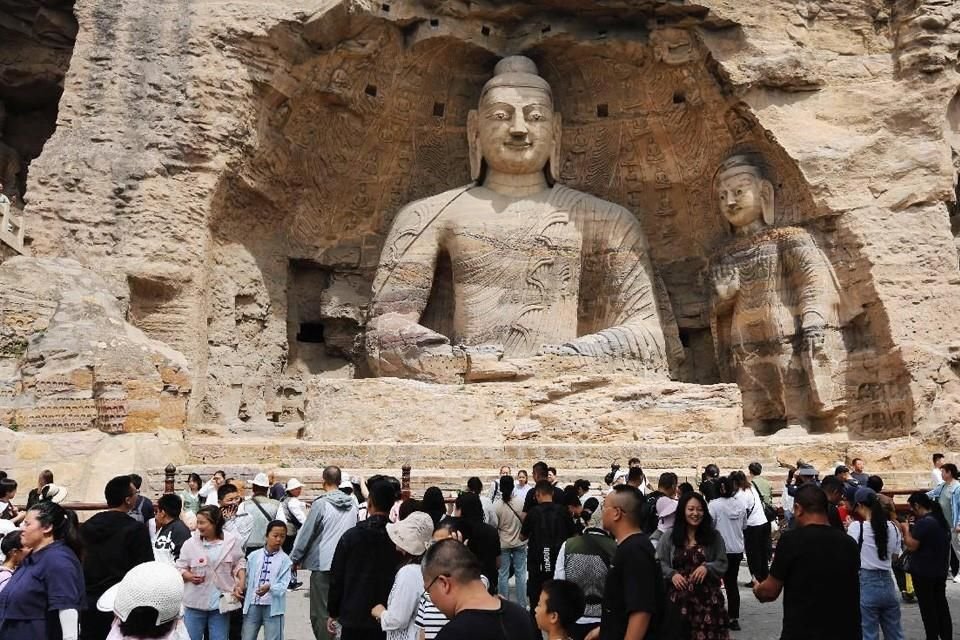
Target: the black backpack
(648, 515)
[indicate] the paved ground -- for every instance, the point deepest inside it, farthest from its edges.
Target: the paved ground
(759, 621)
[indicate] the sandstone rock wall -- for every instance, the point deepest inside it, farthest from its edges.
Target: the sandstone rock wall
(70, 362)
(230, 168)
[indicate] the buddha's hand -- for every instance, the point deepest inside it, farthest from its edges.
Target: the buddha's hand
(726, 281)
(392, 331)
(397, 346)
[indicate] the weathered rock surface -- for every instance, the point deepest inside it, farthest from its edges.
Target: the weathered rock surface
(570, 409)
(84, 462)
(69, 361)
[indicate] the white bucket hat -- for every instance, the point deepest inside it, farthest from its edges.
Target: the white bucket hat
(55, 493)
(293, 484)
(157, 585)
(261, 480)
(413, 533)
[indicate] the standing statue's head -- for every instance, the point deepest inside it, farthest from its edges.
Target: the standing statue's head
(744, 192)
(515, 129)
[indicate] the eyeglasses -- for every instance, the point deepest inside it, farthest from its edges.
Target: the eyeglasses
(437, 577)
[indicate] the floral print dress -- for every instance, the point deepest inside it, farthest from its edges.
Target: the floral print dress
(703, 605)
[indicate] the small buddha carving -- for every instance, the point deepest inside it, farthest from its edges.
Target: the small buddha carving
(536, 268)
(775, 308)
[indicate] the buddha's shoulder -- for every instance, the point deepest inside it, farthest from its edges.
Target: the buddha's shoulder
(432, 204)
(569, 198)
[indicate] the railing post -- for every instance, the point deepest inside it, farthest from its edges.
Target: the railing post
(405, 481)
(169, 478)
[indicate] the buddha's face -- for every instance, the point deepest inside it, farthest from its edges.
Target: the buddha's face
(739, 194)
(516, 129)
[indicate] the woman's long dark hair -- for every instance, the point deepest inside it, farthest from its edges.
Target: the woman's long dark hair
(936, 511)
(506, 487)
(740, 480)
(726, 487)
(434, 504)
(878, 522)
(705, 534)
(51, 514)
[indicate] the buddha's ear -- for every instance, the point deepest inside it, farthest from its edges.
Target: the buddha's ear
(555, 152)
(473, 144)
(767, 202)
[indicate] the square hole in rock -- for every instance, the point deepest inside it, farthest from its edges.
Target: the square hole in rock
(438, 109)
(371, 90)
(603, 111)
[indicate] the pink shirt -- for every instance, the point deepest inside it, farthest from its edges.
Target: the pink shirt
(222, 569)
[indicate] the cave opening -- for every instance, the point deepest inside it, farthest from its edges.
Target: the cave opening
(36, 43)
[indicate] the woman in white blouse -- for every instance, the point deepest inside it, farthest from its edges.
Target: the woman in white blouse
(411, 536)
(880, 542)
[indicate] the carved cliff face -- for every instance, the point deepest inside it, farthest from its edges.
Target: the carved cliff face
(516, 129)
(741, 199)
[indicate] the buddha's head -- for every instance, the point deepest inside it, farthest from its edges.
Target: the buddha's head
(515, 129)
(744, 192)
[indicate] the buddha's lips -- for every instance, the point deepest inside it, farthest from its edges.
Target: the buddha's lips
(517, 145)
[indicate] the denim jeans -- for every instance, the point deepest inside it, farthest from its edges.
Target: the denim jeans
(258, 615)
(214, 623)
(517, 557)
(879, 605)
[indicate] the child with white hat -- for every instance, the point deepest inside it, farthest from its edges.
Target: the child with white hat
(146, 603)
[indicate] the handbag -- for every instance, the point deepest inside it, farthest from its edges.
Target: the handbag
(769, 511)
(229, 602)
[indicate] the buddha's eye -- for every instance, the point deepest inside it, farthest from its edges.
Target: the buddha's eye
(500, 115)
(536, 116)
(739, 192)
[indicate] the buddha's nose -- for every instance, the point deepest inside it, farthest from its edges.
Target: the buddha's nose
(731, 201)
(518, 126)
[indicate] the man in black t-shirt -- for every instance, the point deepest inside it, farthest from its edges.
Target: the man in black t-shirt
(634, 597)
(817, 567)
(547, 526)
(451, 577)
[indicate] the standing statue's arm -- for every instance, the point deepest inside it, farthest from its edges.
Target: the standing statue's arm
(809, 276)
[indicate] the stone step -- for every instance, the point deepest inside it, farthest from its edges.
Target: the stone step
(658, 455)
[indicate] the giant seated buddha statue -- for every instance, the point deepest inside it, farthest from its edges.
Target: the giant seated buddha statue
(538, 271)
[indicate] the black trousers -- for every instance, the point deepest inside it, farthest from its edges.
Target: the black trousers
(348, 633)
(731, 586)
(757, 542)
(934, 610)
(580, 631)
(94, 624)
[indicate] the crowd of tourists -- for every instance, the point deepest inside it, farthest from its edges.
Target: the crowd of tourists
(524, 557)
